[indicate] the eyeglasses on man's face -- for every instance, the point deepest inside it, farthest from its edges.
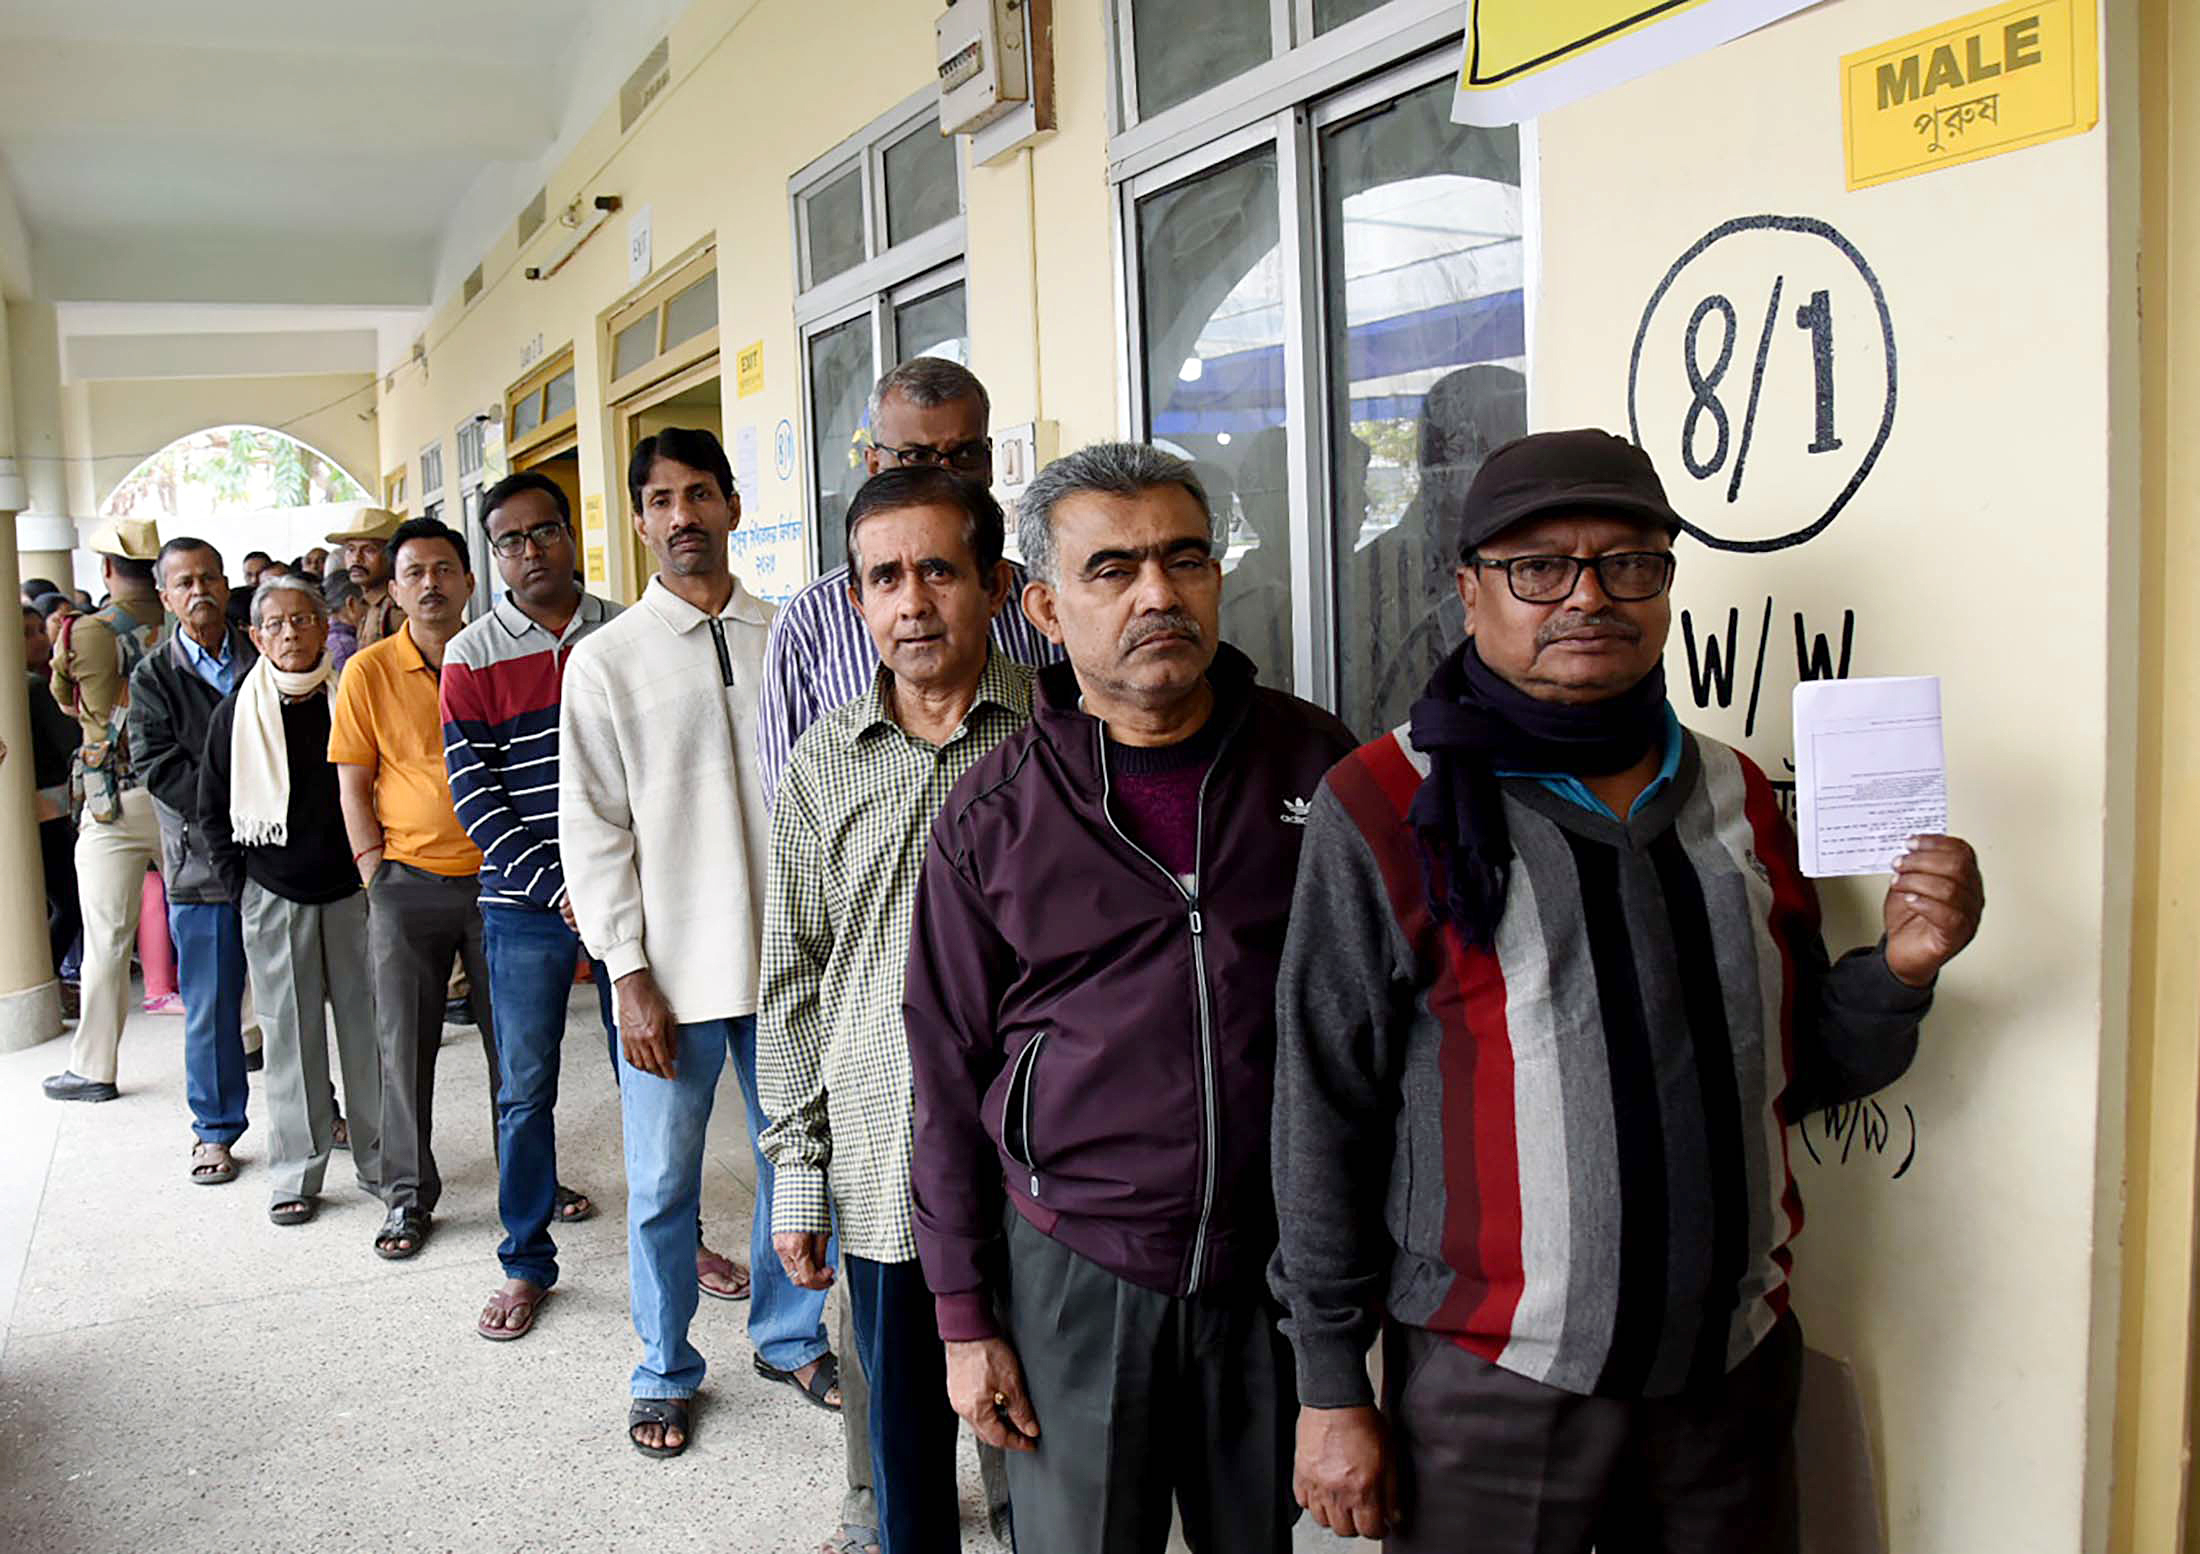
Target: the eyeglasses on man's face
(275, 625)
(1626, 576)
(968, 457)
(544, 535)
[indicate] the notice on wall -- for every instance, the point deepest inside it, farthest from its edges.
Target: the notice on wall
(1870, 772)
(748, 478)
(1997, 80)
(748, 369)
(595, 543)
(639, 256)
(1526, 57)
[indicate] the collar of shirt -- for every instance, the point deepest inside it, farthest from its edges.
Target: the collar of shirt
(1575, 791)
(1002, 683)
(683, 617)
(217, 669)
(408, 651)
(519, 623)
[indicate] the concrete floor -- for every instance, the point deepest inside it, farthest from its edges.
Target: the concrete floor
(178, 1373)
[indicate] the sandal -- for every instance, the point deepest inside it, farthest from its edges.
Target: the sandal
(293, 1211)
(573, 1207)
(851, 1540)
(710, 1265)
(671, 1413)
(818, 1389)
(339, 1134)
(501, 1305)
(408, 1224)
(212, 1164)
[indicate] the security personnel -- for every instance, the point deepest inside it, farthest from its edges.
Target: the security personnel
(365, 542)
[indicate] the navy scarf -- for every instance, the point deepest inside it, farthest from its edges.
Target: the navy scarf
(1472, 723)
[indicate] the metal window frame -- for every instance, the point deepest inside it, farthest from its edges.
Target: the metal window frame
(429, 493)
(1351, 70)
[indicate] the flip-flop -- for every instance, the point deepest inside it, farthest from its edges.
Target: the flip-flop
(724, 1268)
(503, 1303)
(293, 1211)
(573, 1207)
(817, 1389)
(669, 1412)
(212, 1173)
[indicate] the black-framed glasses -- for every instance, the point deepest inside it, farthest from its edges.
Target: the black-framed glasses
(1626, 576)
(544, 535)
(968, 457)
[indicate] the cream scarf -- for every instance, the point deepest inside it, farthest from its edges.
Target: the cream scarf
(259, 756)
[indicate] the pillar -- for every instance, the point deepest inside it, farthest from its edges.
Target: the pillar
(45, 533)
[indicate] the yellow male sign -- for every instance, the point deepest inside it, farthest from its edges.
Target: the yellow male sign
(1998, 80)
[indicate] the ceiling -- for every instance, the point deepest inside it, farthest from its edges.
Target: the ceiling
(299, 152)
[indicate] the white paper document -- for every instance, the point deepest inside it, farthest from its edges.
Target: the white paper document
(1870, 771)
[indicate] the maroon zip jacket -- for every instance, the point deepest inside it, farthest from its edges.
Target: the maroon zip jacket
(1084, 1034)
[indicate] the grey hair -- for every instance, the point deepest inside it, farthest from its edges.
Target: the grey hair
(1110, 468)
(286, 583)
(926, 381)
(339, 590)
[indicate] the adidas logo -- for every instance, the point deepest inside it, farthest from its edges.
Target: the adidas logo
(1296, 812)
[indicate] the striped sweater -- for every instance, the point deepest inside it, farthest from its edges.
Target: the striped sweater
(502, 681)
(1567, 1152)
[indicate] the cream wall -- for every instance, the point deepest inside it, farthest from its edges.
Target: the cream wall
(1975, 1296)
(119, 423)
(758, 92)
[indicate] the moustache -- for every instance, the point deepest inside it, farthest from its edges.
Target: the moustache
(1559, 627)
(1169, 623)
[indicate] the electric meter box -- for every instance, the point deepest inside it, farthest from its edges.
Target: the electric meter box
(985, 68)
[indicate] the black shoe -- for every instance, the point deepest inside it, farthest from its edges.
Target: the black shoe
(458, 1011)
(75, 1087)
(255, 1060)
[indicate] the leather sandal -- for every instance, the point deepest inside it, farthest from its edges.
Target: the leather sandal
(502, 1304)
(818, 1389)
(671, 1413)
(212, 1164)
(404, 1224)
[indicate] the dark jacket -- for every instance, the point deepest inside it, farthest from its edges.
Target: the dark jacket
(171, 709)
(1082, 1033)
(314, 864)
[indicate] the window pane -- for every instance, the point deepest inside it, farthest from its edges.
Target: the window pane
(1335, 13)
(527, 414)
(692, 311)
(1186, 46)
(833, 225)
(841, 375)
(933, 326)
(635, 346)
(1211, 284)
(1427, 355)
(920, 182)
(557, 396)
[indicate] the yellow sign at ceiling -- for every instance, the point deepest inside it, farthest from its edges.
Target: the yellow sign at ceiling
(1997, 80)
(748, 367)
(1526, 57)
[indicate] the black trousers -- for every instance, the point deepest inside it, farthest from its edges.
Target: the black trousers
(57, 853)
(1493, 1463)
(1143, 1398)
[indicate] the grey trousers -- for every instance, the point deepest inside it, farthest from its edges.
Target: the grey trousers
(416, 921)
(308, 965)
(1141, 1398)
(1504, 1465)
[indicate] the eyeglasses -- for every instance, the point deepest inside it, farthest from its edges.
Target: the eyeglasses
(544, 535)
(298, 622)
(1626, 576)
(966, 456)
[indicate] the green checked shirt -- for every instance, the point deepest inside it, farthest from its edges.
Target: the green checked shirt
(849, 829)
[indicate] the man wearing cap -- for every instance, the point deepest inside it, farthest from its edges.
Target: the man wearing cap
(118, 838)
(1553, 959)
(366, 546)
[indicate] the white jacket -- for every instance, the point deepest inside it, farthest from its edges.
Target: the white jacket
(661, 818)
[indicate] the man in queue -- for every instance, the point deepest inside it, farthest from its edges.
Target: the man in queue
(368, 547)
(1554, 964)
(1090, 1005)
(849, 829)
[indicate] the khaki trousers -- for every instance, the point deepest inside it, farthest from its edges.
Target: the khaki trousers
(111, 859)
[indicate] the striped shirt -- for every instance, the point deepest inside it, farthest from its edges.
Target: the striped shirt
(502, 678)
(821, 657)
(832, 1061)
(1585, 1123)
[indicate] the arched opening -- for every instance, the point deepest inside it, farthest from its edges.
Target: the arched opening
(238, 487)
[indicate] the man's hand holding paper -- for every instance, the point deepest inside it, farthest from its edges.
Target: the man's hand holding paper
(1933, 907)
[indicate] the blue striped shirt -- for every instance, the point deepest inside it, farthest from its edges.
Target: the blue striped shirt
(820, 657)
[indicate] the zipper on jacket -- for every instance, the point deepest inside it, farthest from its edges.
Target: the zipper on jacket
(718, 641)
(1019, 1096)
(1209, 1123)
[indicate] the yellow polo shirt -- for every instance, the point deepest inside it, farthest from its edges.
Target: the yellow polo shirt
(387, 718)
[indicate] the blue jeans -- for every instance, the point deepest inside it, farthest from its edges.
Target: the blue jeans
(665, 1122)
(531, 955)
(913, 1427)
(210, 974)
